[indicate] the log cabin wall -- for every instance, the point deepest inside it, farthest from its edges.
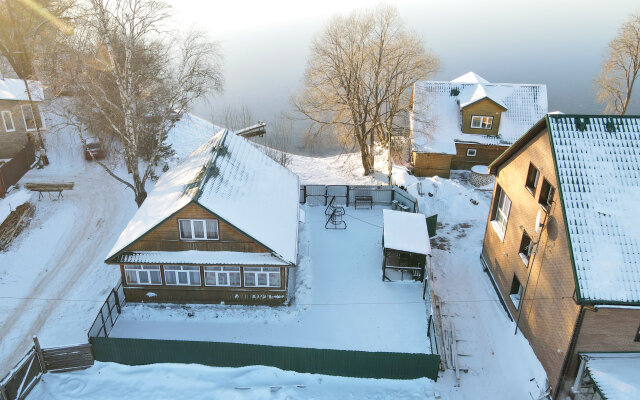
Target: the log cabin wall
(485, 155)
(166, 236)
(548, 312)
(431, 164)
(14, 141)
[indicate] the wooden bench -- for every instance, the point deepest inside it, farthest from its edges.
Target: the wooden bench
(363, 200)
(49, 187)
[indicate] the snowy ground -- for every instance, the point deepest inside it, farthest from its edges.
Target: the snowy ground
(501, 365)
(340, 303)
(107, 381)
(52, 278)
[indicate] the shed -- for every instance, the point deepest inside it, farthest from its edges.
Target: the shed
(405, 245)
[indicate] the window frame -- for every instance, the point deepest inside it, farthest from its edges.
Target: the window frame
(516, 296)
(549, 196)
(191, 268)
(498, 227)
(525, 256)
(4, 121)
(532, 189)
(222, 271)
(263, 271)
(204, 221)
(475, 152)
(637, 339)
(481, 119)
(36, 108)
(138, 270)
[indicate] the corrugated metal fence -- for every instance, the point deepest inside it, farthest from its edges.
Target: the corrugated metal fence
(321, 195)
(361, 364)
(12, 170)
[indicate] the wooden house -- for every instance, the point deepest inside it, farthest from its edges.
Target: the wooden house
(469, 121)
(562, 241)
(17, 126)
(221, 226)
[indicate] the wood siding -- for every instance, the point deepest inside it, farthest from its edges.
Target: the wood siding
(166, 237)
(482, 108)
(207, 294)
(484, 155)
(431, 164)
(12, 142)
(548, 311)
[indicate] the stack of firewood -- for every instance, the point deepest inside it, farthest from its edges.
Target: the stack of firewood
(15, 223)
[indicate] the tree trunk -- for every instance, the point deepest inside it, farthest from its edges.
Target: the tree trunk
(138, 189)
(367, 158)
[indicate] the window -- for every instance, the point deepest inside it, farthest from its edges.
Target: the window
(546, 195)
(8, 121)
(262, 276)
(222, 276)
(637, 339)
(480, 122)
(471, 152)
(181, 275)
(526, 245)
(516, 291)
(142, 274)
(500, 213)
(532, 179)
(29, 119)
(198, 229)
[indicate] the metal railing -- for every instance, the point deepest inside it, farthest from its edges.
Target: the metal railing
(320, 195)
(108, 314)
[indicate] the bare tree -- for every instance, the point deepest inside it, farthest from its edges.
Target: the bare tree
(358, 77)
(620, 68)
(130, 77)
(27, 28)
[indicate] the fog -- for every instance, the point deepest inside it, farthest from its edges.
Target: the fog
(557, 43)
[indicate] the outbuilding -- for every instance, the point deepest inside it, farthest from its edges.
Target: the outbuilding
(405, 244)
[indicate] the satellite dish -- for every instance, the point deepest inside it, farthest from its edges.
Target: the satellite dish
(539, 221)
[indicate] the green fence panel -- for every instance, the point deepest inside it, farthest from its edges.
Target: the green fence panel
(432, 223)
(360, 364)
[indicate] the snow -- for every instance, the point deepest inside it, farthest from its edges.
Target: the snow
(107, 381)
(436, 112)
(227, 176)
(12, 201)
(199, 257)
(617, 375)
(470, 77)
(190, 133)
(599, 179)
(480, 169)
(406, 232)
(13, 89)
(343, 169)
(340, 300)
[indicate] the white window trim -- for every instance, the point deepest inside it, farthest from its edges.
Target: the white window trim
(480, 118)
(263, 271)
(204, 221)
(471, 152)
(501, 230)
(24, 119)
(145, 268)
(218, 273)
(4, 120)
(175, 273)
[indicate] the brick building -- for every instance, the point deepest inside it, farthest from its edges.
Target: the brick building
(562, 242)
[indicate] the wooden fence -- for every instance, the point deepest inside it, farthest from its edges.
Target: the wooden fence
(27, 373)
(321, 195)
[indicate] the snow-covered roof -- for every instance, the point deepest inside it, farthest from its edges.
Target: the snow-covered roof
(196, 257)
(233, 179)
(14, 89)
(598, 164)
(617, 375)
(436, 120)
(189, 133)
(470, 77)
(405, 231)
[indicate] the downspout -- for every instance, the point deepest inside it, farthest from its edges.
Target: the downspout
(569, 354)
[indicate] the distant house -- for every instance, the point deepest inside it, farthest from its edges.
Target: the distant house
(17, 126)
(221, 226)
(562, 241)
(469, 121)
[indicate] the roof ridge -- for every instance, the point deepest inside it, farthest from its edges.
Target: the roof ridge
(207, 169)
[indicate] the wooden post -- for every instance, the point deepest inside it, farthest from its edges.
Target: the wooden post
(36, 344)
(3, 393)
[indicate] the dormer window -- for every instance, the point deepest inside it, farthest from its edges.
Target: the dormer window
(481, 122)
